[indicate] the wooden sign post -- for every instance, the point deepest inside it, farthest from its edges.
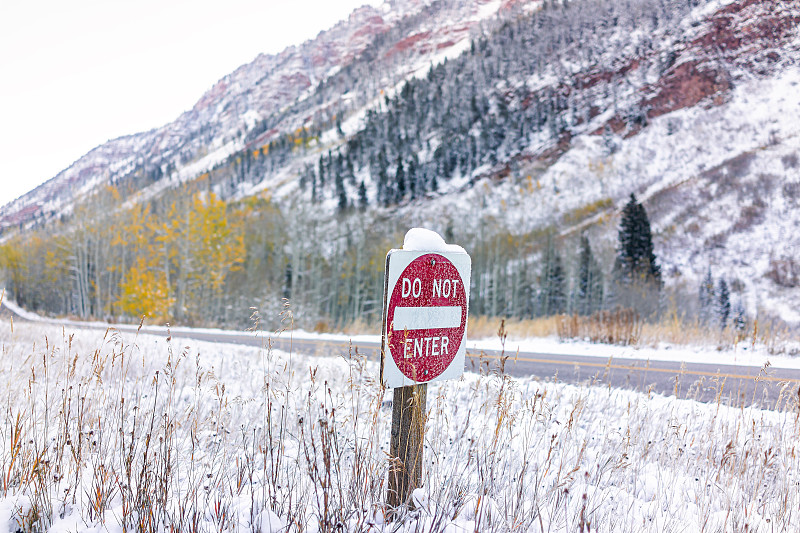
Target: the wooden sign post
(405, 448)
(425, 300)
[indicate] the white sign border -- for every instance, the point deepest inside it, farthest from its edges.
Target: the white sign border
(396, 263)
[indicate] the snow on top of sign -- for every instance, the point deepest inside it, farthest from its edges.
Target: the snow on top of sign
(425, 240)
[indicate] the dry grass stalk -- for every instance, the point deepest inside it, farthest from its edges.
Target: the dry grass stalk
(620, 326)
(143, 435)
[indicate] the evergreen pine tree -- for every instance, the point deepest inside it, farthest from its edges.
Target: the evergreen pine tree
(383, 179)
(589, 287)
(304, 178)
(287, 281)
(314, 196)
(647, 257)
(412, 178)
(723, 303)
(321, 171)
(553, 289)
(740, 317)
(635, 257)
(351, 173)
(705, 295)
(637, 276)
(339, 184)
(400, 181)
(363, 201)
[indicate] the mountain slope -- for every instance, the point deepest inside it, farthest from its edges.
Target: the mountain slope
(373, 48)
(512, 119)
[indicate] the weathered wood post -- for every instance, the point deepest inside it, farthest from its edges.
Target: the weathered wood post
(425, 300)
(405, 448)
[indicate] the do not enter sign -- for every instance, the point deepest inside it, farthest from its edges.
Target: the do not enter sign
(426, 316)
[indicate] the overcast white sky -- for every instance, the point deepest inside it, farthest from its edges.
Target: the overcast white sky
(76, 73)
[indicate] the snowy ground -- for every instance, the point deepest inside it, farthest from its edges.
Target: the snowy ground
(109, 431)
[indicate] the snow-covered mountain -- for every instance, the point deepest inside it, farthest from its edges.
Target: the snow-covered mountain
(519, 114)
(379, 47)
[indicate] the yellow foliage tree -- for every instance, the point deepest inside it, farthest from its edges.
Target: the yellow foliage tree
(145, 291)
(215, 245)
(12, 265)
(144, 286)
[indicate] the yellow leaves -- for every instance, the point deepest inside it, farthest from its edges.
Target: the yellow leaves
(249, 204)
(529, 184)
(300, 138)
(257, 209)
(56, 260)
(132, 227)
(145, 291)
(192, 250)
(114, 192)
(9, 254)
(588, 210)
(601, 166)
(36, 262)
(144, 286)
(164, 264)
(202, 178)
(216, 244)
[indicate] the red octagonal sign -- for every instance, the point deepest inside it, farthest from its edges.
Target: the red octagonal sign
(426, 316)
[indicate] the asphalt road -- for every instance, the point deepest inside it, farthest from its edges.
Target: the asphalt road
(736, 385)
(730, 384)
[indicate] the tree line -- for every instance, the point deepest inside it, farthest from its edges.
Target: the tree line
(191, 258)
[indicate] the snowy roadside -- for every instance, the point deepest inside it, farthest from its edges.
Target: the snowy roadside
(744, 354)
(254, 440)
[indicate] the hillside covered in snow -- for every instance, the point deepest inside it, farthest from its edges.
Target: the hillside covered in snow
(514, 128)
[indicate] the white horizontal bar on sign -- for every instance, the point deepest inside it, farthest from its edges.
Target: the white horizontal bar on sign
(408, 318)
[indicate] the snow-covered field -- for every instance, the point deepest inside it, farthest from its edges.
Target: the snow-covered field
(113, 432)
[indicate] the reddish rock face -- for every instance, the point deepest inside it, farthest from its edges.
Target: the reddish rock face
(20, 216)
(552, 154)
(684, 86)
(748, 25)
(722, 34)
(587, 81)
(212, 97)
(408, 42)
(748, 34)
(372, 26)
